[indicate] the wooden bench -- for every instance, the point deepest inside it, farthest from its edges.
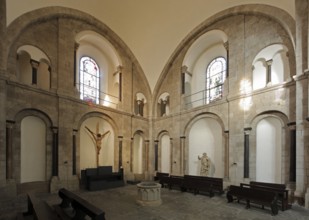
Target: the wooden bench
(39, 209)
(254, 195)
(174, 181)
(159, 177)
(197, 184)
(203, 183)
(75, 207)
(217, 183)
(164, 181)
(280, 189)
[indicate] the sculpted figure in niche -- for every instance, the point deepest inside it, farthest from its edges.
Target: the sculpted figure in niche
(204, 164)
(97, 137)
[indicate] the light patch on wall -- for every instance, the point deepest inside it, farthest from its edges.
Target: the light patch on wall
(245, 88)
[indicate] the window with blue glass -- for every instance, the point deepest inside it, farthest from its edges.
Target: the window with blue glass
(89, 80)
(215, 76)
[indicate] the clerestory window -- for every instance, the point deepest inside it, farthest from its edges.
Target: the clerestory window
(89, 80)
(215, 76)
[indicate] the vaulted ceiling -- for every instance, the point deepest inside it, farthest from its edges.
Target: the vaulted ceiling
(151, 29)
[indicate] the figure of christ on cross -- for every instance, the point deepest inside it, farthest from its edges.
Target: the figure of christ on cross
(97, 137)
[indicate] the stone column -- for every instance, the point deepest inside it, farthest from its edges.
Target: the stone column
(246, 152)
(140, 107)
(74, 152)
(147, 155)
(55, 152)
(131, 155)
(2, 35)
(172, 158)
(182, 155)
(2, 92)
(9, 149)
(226, 46)
(156, 148)
(227, 155)
(75, 63)
(301, 17)
(268, 74)
(35, 66)
(120, 138)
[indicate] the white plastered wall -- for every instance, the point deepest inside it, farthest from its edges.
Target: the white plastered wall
(33, 150)
(205, 136)
(268, 150)
(165, 154)
(137, 154)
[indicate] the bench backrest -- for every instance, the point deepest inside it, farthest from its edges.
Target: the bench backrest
(270, 185)
(80, 204)
(40, 209)
(253, 193)
(217, 183)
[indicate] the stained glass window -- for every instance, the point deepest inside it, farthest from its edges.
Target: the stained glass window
(215, 76)
(89, 80)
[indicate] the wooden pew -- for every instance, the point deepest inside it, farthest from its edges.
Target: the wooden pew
(254, 195)
(160, 177)
(280, 189)
(197, 184)
(75, 207)
(175, 181)
(203, 183)
(165, 181)
(217, 184)
(39, 209)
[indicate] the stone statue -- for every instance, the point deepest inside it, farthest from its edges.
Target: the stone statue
(204, 164)
(97, 137)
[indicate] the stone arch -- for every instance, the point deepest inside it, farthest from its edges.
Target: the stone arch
(278, 15)
(25, 21)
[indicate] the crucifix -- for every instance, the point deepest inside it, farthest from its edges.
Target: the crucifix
(97, 137)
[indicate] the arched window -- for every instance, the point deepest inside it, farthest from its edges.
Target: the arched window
(89, 80)
(215, 76)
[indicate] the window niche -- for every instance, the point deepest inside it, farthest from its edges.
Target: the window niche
(185, 80)
(139, 106)
(270, 67)
(33, 67)
(105, 79)
(163, 104)
(215, 77)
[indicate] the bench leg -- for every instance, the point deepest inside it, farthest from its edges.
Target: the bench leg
(247, 204)
(211, 193)
(274, 209)
(229, 198)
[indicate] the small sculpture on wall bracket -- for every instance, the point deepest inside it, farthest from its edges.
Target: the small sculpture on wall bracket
(97, 137)
(204, 164)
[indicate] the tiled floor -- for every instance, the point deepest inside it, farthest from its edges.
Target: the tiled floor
(120, 204)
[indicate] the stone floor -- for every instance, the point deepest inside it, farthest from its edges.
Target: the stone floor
(120, 203)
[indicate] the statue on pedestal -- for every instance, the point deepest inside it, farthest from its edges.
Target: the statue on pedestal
(98, 140)
(204, 164)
